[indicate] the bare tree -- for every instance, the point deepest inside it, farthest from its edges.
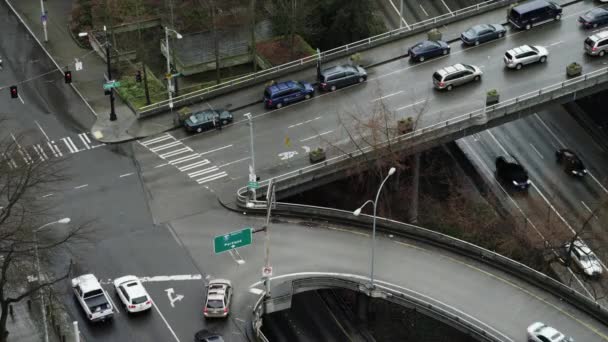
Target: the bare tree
(23, 180)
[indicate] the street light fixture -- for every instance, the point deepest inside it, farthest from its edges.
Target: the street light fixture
(357, 212)
(64, 220)
(169, 78)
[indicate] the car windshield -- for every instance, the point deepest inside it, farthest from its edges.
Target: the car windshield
(471, 32)
(468, 67)
(596, 12)
(534, 48)
(215, 304)
(194, 118)
(139, 300)
(301, 85)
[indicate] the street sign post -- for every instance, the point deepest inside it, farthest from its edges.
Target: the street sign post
(267, 271)
(232, 240)
(111, 84)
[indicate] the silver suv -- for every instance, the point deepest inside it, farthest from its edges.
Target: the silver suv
(525, 54)
(454, 75)
(597, 44)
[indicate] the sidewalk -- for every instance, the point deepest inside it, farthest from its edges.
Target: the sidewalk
(25, 325)
(87, 82)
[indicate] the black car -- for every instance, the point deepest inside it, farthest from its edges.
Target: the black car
(341, 76)
(482, 33)
(207, 336)
(510, 172)
(207, 119)
(428, 49)
(594, 18)
(571, 162)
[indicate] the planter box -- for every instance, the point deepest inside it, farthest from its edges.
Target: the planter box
(574, 70)
(316, 156)
(492, 99)
(405, 126)
(434, 34)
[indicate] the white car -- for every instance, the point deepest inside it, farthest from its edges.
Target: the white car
(219, 295)
(92, 297)
(540, 332)
(525, 54)
(132, 294)
(584, 258)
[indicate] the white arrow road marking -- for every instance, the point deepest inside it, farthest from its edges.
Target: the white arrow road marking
(287, 155)
(171, 278)
(172, 299)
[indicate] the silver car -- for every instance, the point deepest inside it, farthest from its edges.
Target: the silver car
(454, 75)
(585, 259)
(597, 44)
(525, 54)
(219, 295)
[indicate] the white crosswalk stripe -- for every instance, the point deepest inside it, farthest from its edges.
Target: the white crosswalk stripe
(202, 172)
(156, 140)
(183, 159)
(166, 146)
(212, 177)
(85, 140)
(176, 152)
(193, 165)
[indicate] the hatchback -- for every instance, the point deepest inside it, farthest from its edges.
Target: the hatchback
(571, 162)
(540, 332)
(584, 258)
(282, 93)
(132, 294)
(594, 18)
(219, 295)
(457, 74)
(482, 33)
(341, 76)
(597, 44)
(428, 49)
(525, 54)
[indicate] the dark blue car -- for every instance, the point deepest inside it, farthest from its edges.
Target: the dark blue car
(282, 93)
(594, 18)
(482, 33)
(428, 49)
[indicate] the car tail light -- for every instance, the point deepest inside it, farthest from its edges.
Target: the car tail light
(323, 85)
(269, 102)
(132, 306)
(205, 310)
(149, 302)
(225, 310)
(441, 84)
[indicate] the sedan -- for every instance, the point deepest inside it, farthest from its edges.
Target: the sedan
(207, 119)
(428, 49)
(594, 18)
(510, 172)
(571, 162)
(584, 258)
(132, 294)
(482, 33)
(540, 332)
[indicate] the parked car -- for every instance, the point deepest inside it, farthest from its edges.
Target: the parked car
(282, 93)
(597, 44)
(509, 171)
(571, 162)
(482, 33)
(457, 74)
(132, 294)
(341, 76)
(92, 298)
(540, 332)
(207, 336)
(207, 119)
(428, 49)
(584, 258)
(535, 12)
(219, 295)
(594, 18)
(525, 54)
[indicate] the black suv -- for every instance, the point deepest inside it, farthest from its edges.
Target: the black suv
(510, 172)
(571, 162)
(207, 119)
(341, 76)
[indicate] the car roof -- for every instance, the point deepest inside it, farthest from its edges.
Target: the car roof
(480, 27)
(277, 87)
(134, 288)
(521, 49)
(578, 243)
(530, 6)
(599, 35)
(451, 69)
(338, 68)
(597, 10)
(88, 282)
(550, 333)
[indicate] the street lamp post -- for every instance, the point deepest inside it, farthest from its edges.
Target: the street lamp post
(169, 83)
(64, 220)
(391, 171)
(252, 175)
(44, 18)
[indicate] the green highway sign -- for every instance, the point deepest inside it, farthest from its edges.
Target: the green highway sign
(253, 185)
(111, 84)
(232, 240)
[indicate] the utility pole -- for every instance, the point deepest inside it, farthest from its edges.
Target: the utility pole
(270, 198)
(44, 18)
(401, 14)
(253, 46)
(144, 53)
(108, 62)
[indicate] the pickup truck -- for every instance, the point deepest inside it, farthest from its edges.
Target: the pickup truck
(92, 297)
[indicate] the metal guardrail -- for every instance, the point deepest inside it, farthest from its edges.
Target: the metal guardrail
(447, 127)
(352, 47)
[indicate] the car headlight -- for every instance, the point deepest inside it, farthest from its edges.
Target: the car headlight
(528, 182)
(515, 183)
(584, 170)
(574, 172)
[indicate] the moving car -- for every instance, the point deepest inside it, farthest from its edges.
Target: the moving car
(207, 119)
(540, 332)
(584, 258)
(219, 295)
(597, 44)
(132, 294)
(428, 49)
(571, 162)
(282, 93)
(594, 18)
(482, 33)
(509, 171)
(207, 336)
(341, 76)
(535, 12)
(92, 298)
(525, 54)
(457, 74)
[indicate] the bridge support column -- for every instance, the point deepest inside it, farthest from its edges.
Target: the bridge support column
(413, 209)
(362, 304)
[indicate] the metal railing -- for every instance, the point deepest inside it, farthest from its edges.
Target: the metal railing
(457, 123)
(355, 46)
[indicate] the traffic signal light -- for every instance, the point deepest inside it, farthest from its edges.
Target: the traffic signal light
(138, 76)
(68, 77)
(14, 93)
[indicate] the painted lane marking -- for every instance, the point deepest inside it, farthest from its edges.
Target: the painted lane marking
(126, 174)
(202, 172)
(20, 99)
(236, 161)
(47, 195)
(113, 304)
(172, 299)
(41, 130)
(387, 96)
(41, 155)
(423, 10)
(399, 14)
(156, 140)
(85, 140)
(587, 207)
(194, 165)
(410, 105)
(183, 159)
(166, 323)
(215, 150)
(303, 123)
(537, 151)
(446, 7)
(556, 43)
(70, 144)
(171, 278)
(81, 186)
(161, 165)
(212, 177)
(315, 136)
(176, 152)
(54, 149)
(165, 146)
